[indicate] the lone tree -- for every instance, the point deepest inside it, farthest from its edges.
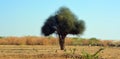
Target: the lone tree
(63, 22)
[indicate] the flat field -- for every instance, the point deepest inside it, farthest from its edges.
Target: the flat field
(53, 52)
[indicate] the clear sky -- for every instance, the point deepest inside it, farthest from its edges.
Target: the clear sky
(25, 17)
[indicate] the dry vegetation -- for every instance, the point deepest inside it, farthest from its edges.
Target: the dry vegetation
(33, 40)
(50, 52)
(31, 47)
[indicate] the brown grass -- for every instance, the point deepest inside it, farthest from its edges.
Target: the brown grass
(33, 40)
(28, 40)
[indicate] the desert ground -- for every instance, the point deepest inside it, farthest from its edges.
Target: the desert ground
(53, 52)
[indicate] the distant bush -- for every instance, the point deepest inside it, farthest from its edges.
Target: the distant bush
(1, 37)
(93, 41)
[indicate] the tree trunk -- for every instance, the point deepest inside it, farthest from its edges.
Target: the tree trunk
(62, 41)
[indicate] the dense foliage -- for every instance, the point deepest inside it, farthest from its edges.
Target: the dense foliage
(63, 22)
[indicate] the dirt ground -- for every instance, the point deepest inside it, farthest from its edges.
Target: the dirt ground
(53, 52)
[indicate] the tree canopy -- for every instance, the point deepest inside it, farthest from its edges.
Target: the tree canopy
(63, 22)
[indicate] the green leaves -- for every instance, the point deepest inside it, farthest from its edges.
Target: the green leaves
(66, 19)
(49, 26)
(64, 22)
(79, 27)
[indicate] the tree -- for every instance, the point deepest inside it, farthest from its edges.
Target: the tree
(63, 22)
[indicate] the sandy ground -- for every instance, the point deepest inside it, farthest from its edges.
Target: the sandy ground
(53, 52)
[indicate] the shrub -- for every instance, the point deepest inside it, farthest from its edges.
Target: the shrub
(93, 41)
(86, 55)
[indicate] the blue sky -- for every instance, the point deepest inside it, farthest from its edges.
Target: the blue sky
(25, 17)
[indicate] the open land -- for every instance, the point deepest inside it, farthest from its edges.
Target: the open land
(53, 52)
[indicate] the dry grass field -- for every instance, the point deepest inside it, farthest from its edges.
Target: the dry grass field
(53, 52)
